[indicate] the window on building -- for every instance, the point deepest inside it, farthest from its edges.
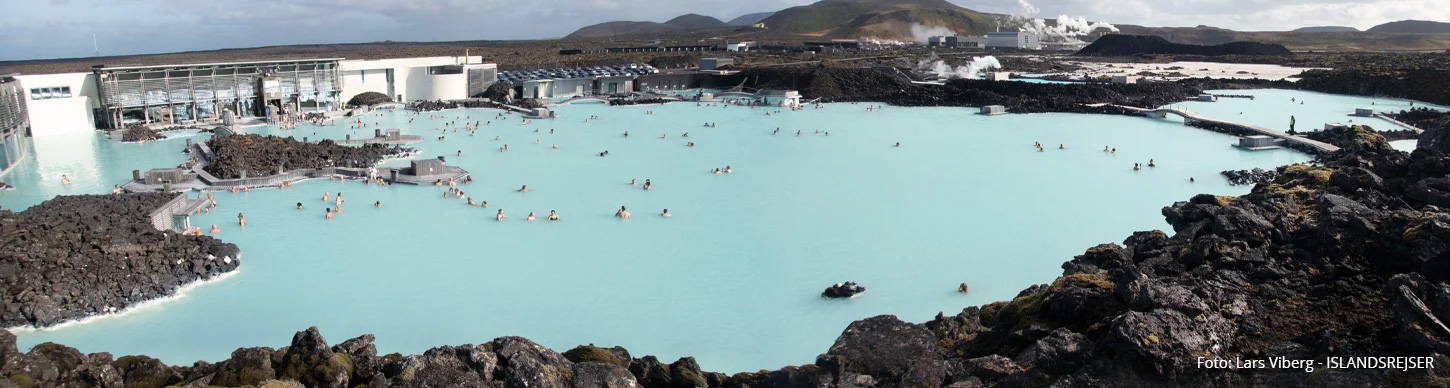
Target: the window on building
(49, 93)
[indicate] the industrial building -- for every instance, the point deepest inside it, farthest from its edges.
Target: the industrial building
(1016, 40)
(114, 96)
(14, 121)
(715, 63)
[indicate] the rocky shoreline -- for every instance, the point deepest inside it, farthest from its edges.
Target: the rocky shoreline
(74, 257)
(837, 84)
(1348, 257)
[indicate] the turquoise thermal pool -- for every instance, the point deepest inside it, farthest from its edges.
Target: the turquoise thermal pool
(733, 278)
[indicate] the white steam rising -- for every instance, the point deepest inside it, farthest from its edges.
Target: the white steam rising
(972, 70)
(922, 32)
(1065, 28)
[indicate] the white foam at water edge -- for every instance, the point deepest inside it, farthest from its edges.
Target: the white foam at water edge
(180, 293)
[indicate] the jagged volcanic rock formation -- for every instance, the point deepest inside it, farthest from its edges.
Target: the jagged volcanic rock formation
(1249, 177)
(1124, 44)
(138, 132)
(1418, 76)
(266, 155)
(1346, 258)
(368, 98)
(834, 84)
(77, 256)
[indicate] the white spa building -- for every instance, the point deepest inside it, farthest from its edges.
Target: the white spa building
(113, 96)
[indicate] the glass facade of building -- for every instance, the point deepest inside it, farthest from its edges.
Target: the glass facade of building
(177, 94)
(14, 122)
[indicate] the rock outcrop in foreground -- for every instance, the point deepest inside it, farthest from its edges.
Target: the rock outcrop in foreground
(1349, 258)
(266, 155)
(77, 256)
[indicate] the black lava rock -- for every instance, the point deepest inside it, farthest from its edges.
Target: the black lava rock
(843, 290)
(77, 256)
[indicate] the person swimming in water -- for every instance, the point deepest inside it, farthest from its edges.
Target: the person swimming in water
(65, 180)
(241, 219)
(531, 217)
(553, 216)
(326, 197)
(299, 206)
(1151, 164)
(622, 213)
(665, 213)
(1136, 167)
(632, 182)
(647, 184)
(1061, 147)
(378, 204)
(329, 213)
(524, 189)
(214, 229)
(898, 145)
(728, 169)
(499, 216)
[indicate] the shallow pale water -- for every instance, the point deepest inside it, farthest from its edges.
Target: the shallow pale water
(1271, 108)
(733, 278)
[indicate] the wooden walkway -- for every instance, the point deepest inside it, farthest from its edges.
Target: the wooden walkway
(1190, 118)
(1397, 122)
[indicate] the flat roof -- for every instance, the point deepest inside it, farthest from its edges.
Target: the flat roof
(135, 67)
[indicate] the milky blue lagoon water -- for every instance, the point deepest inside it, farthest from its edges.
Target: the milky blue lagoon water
(1271, 108)
(733, 278)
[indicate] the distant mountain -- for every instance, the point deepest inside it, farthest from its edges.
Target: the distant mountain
(1125, 45)
(1326, 29)
(696, 22)
(748, 19)
(622, 28)
(682, 23)
(886, 19)
(1413, 27)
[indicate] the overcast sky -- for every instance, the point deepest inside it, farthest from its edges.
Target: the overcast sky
(39, 29)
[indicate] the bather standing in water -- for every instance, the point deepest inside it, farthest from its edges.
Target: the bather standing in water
(524, 189)
(647, 184)
(329, 213)
(499, 216)
(622, 213)
(531, 217)
(241, 219)
(326, 197)
(553, 216)
(299, 206)
(378, 204)
(665, 214)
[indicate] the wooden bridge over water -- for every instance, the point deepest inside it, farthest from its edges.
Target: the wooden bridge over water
(1190, 118)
